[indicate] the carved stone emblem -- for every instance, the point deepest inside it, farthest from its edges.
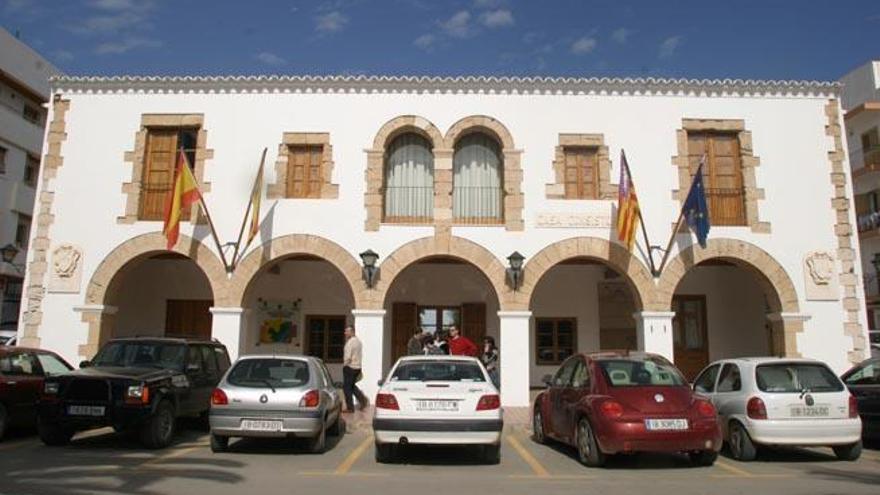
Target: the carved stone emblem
(66, 273)
(820, 276)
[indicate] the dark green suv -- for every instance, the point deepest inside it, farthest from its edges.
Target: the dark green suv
(136, 384)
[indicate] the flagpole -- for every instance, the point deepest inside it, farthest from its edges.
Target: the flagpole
(246, 212)
(213, 232)
(680, 218)
(654, 271)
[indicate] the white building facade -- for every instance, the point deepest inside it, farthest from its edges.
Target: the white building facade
(24, 91)
(445, 179)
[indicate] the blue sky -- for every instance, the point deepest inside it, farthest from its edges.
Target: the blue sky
(767, 39)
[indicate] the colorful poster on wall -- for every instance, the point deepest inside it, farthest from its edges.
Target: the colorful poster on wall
(278, 321)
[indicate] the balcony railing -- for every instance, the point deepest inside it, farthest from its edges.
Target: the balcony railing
(477, 205)
(726, 206)
(871, 157)
(409, 204)
(868, 221)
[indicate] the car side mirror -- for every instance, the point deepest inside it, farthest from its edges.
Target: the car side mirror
(85, 364)
(547, 380)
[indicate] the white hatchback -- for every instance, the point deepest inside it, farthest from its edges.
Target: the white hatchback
(441, 400)
(781, 401)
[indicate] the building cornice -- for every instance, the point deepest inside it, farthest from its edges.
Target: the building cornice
(448, 85)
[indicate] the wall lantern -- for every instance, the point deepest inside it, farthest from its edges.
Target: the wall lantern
(370, 271)
(515, 271)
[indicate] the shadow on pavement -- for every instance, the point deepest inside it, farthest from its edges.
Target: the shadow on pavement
(279, 446)
(865, 478)
(644, 460)
(788, 454)
(439, 455)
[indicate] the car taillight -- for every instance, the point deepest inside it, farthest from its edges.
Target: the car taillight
(705, 408)
(387, 401)
(311, 399)
(755, 409)
(611, 409)
(853, 406)
(218, 398)
(489, 402)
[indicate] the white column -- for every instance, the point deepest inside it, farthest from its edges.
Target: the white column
(369, 326)
(514, 348)
(227, 327)
(654, 332)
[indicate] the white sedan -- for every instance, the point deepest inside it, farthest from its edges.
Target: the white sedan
(781, 401)
(440, 400)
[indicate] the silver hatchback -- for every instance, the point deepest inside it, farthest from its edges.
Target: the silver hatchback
(275, 396)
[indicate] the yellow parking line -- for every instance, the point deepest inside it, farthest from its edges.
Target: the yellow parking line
(536, 466)
(733, 469)
(355, 474)
(15, 445)
(174, 453)
(871, 455)
(355, 454)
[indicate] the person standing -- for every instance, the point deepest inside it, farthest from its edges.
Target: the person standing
(352, 354)
(459, 345)
(490, 359)
(416, 344)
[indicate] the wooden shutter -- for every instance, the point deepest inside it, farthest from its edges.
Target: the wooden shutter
(189, 318)
(404, 322)
(158, 173)
(722, 175)
(473, 321)
(304, 174)
(581, 173)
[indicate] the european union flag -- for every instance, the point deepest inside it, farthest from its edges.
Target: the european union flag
(695, 210)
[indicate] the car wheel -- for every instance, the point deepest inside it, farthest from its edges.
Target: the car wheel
(158, 431)
(317, 444)
(538, 426)
(53, 435)
(741, 446)
(704, 457)
(492, 454)
(587, 447)
(3, 420)
(219, 443)
(337, 428)
(849, 452)
(385, 453)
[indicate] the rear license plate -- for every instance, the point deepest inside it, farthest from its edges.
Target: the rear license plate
(437, 405)
(809, 411)
(261, 425)
(85, 410)
(666, 424)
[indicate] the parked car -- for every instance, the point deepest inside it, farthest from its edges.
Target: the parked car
(610, 403)
(864, 382)
(781, 401)
(22, 372)
(276, 396)
(437, 399)
(8, 337)
(137, 384)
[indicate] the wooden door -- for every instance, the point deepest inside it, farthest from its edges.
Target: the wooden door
(690, 334)
(188, 318)
(473, 322)
(404, 323)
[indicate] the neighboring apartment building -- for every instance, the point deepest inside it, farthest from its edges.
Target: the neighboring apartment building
(24, 91)
(445, 178)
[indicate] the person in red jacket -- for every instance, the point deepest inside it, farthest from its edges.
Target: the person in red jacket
(460, 345)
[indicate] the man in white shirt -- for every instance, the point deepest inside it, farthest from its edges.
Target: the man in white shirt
(352, 354)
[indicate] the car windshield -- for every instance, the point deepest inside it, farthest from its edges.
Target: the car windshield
(269, 372)
(438, 371)
(640, 373)
(796, 378)
(163, 355)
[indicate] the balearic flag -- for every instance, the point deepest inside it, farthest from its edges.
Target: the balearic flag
(184, 192)
(695, 210)
(256, 196)
(627, 205)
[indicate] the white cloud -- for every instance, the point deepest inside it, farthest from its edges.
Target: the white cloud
(269, 58)
(497, 18)
(425, 41)
(620, 35)
(125, 45)
(114, 16)
(669, 46)
(331, 22)
(62, 56)
(113, 4)
(459, 25)
(583, 45)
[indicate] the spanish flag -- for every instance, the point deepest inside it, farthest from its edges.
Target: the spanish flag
(627, 205)
(184, 192)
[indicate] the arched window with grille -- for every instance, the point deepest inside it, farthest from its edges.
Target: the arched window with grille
(477, 192)
(409, 180)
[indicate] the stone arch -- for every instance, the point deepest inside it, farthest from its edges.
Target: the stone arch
(99, 308)
(290, 245)
(615, 256)
(454, 247)
(407, 123)
(782, 299)
(476, 123)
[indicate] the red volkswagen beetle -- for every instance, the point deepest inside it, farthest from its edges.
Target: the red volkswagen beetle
(615, 403)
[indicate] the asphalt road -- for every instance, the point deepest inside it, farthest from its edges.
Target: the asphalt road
(101, 462)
